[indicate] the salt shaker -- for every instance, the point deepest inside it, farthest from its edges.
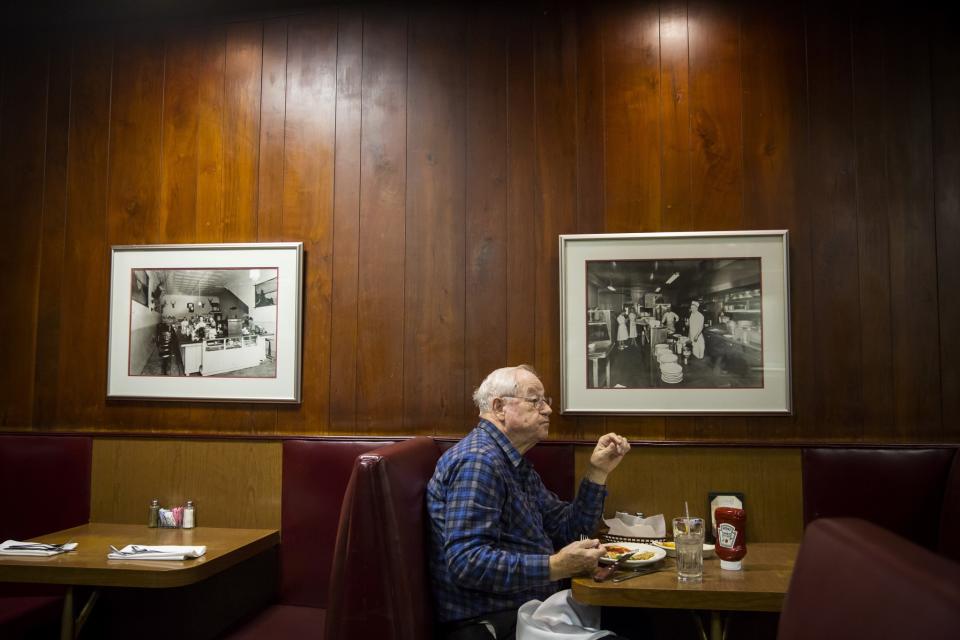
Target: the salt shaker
(153, 519)
(188, 515)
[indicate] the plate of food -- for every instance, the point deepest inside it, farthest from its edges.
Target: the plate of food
(709, 550)
(645, 554)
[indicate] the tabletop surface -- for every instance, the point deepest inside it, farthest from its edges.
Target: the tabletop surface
(89, 565)
(759, 586)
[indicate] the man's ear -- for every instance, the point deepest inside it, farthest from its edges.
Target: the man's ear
(497, 405)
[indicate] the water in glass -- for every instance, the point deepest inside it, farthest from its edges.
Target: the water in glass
(689, 558)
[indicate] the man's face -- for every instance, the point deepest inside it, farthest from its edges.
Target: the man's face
(523, 418)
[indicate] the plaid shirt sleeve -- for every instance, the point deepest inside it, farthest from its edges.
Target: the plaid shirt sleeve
(475, 557)
(565, 522)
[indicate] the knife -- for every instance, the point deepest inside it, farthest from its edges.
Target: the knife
(634, 574)
(603, 573)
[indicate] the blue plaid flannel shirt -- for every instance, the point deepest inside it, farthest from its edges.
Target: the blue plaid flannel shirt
(493, 526)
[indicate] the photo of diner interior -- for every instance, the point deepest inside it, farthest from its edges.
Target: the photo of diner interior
(691, 323)
(203, 322)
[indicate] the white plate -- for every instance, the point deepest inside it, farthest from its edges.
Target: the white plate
(658, 554)
(709, 550)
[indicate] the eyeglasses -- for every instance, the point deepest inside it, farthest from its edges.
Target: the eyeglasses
(539, 403)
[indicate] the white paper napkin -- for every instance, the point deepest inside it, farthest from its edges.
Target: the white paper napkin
(157, 552)
(634, 527)
(36, 551)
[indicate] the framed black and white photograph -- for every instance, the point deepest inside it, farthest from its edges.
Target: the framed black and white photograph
(210, 331)
(675, 323)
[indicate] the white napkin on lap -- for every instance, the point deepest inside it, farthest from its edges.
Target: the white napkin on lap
(157, 552)
(559, 617)
(633, 527)
(52, 551)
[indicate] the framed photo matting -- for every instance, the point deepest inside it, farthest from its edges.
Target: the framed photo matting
(675, 323)
(207, 322)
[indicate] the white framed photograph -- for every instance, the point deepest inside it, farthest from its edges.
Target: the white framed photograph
(675, 323)
(206, 322)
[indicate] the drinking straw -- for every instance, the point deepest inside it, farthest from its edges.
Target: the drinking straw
(686, 506)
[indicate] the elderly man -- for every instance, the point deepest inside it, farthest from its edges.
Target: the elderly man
(498, 537)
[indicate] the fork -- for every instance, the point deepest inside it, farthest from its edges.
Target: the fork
(39, 546)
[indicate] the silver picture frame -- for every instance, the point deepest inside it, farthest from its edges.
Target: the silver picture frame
(203, 336)
(681, 323)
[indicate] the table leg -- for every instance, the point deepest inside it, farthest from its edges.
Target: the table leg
(69, 626)
(66, 617)
(596, 380)
(716, 625)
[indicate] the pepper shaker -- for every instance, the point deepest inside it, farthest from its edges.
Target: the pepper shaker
(153, 518)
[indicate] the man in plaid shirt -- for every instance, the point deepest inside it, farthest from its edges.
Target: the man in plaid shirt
(499, 538)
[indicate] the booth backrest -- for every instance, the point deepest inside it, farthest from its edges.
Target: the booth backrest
(900, 489)
(379, 585)
(853, 579)
(949, 544)
(47, 483)
(315, 476)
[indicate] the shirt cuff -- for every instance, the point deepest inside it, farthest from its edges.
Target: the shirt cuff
(536, 568)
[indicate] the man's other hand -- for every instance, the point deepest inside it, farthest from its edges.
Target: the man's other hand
(606, 456)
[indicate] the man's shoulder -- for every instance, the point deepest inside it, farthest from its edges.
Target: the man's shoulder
(476, 448)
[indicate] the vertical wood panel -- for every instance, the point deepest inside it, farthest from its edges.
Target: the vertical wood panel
(180, 165)
(239, 222)
(52, 242)
(831, 206)
(133, 193)
(676, 213)
(309, 141)
(590, 154)
(521, 188)
(346, 225)
(210, 153)
(241, 124)
(913, 267)
(946, 164)
(273, 105)
(716, 139)
(774, 150)
(433, 367)
(632, 122)
(383, 170)
(180, 159)
(22, 138)
(82, 374)
(485, 330)
(873, 239)
(556, 181)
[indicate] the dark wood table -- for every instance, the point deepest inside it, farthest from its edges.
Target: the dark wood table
(89, 566)
(760, 586)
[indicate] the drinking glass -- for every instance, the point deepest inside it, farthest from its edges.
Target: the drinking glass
(688, 538)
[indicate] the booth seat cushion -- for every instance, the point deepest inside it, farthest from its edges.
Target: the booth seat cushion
(315, 476)
(900, 489)
(46, 481)
(379, 585)
(853, 579)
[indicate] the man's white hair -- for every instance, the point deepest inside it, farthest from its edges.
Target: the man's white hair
(501, 382)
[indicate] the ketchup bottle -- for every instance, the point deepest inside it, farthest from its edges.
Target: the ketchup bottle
(731, 537)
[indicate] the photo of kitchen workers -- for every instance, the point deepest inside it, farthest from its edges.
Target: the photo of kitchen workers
(202, 322)
(692, 323)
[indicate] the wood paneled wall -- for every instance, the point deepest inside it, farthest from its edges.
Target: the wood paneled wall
(428, 159)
